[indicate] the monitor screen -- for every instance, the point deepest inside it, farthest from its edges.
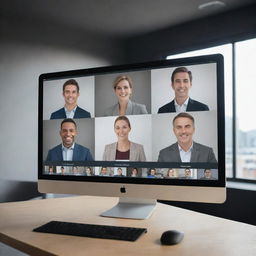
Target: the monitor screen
(150, 130)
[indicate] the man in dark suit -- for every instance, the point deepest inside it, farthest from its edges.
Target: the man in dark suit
(70, 110)
(181, 84)
(185, 149)
(69, 150)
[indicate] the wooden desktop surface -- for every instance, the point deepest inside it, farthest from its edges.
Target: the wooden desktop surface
(204, 234)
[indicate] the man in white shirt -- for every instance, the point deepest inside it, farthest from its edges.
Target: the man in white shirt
(70, 109)
(181, 84)
(185, 149)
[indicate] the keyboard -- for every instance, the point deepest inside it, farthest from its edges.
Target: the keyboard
(92, 230)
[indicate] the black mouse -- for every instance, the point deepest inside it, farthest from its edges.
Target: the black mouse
(171, 237)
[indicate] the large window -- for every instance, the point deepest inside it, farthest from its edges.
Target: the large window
(245, 57)
(239, 59)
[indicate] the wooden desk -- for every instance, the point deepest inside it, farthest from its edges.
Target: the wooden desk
(204, 234)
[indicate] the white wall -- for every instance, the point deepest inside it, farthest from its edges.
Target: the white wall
(20, 65)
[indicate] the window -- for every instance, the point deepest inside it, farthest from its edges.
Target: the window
(245, 56)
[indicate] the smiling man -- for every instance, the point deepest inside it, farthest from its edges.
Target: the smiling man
(181, 84)
(70, 110)
(69, 150)
(185, 149)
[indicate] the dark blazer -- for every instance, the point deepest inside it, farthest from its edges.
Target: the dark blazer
(193, 105)
(200, 153)
(80, 153)
(79, 113)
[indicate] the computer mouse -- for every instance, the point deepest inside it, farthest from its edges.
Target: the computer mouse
(171, 237)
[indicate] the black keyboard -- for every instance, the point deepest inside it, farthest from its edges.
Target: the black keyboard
(91, 230)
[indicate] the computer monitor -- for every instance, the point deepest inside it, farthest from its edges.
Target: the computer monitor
(140, 132)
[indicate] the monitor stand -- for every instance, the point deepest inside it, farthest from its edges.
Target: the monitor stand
(131, 208)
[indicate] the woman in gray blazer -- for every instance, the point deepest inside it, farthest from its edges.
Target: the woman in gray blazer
(123, 149)
(123, 90)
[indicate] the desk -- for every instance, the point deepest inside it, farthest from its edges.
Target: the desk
(204, 234)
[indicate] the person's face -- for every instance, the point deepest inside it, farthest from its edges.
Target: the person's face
(70, 94)
(152, 172)
(122, 130)
(104, 171)
(184, 129)
(181, 84)
(171, 173)
(208, 174)
(134, 172)
(187, 173)
(123, 90)
(68, 132)
(88, 171)
(119, 171)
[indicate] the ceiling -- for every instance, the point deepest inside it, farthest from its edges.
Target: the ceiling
(115, 18)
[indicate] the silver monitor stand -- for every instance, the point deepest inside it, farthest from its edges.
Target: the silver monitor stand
(131, 208)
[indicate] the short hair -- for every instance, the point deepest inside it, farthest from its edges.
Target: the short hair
(152, 169)
(183, 114)
(207, 169)
(71, 82)
(181, 70)
(121, 78)
(124, 118)
(67, 120)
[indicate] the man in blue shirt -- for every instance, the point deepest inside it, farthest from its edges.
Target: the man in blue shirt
(70, 110)
(69, 150)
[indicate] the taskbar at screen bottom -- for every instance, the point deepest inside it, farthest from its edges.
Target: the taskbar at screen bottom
(133, 172)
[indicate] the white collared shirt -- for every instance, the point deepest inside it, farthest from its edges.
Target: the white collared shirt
(67, 153)
(70, 114)
(182, 107)
(185, 156)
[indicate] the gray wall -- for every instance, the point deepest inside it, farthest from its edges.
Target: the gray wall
(26, 51)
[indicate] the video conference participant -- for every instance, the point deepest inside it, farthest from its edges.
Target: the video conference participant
(181, 84)
(187, 174)
(69, 150)
(123, 89)
(123, 149)
(104, 171)
(70, 110)
(185, 149)
(152, 173)
(135, 172)
(171, 173)
(88, 171)
(119, 173)
(207, 175)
